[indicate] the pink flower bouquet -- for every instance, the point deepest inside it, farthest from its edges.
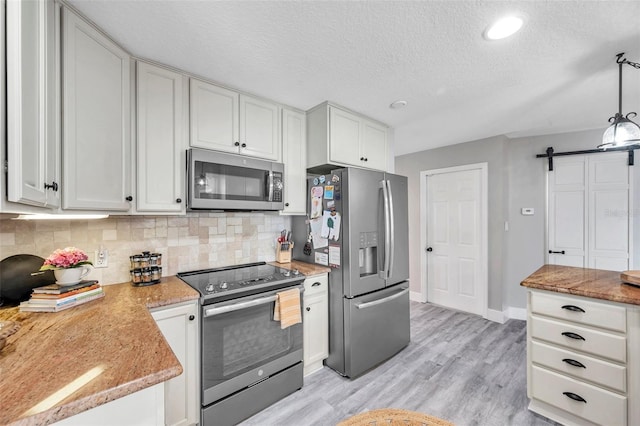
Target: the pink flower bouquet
(69, 257)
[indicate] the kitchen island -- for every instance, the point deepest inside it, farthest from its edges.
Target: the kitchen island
(583, 346)
(112, 344)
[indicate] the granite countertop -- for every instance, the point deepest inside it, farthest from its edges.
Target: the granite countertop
(595, 283)
(308, 269)
(114, 339)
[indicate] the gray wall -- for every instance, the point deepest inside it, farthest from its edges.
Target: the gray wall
(491, 151)
(516, 179)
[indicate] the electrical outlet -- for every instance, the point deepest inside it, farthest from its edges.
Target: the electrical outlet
(101, 259)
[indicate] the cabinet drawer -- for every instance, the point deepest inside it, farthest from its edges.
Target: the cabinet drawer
(593, 370)
(595, 342)
(601, 406)
(317, 284)
(581, 311)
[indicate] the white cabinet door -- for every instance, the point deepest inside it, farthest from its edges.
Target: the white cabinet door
(294, 156)
(316, 322)
(179, 325)
(589, 211)
(259, 128)
(161, 141)
(374, 145)
(213, 117)
(344, 137)
(96, 113)
(33, 155)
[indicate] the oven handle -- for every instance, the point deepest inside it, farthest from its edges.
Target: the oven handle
(237, 306)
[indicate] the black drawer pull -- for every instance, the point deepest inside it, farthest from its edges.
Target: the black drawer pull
(316, 284)
(573, 362)
(573, 308)
(575, 336)
(574, 396)
(556, 252)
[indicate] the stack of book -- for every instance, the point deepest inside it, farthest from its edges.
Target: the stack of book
(54, 297)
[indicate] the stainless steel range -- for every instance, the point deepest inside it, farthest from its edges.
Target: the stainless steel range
(247, 361)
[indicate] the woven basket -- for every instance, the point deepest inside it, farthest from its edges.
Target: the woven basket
(391, 416)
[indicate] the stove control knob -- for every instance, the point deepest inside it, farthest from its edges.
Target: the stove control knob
(223, 285)
(209, 287)
(296, 272)
(286, 273)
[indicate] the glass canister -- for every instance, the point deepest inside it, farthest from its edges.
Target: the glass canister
(156, 273)
(136, 276)
(144, 261)
(146, 275)
(158, 258)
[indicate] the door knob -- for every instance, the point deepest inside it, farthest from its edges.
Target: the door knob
(429, 249)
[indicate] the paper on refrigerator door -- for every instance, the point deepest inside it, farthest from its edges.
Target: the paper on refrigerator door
(316, 237)
(334, 255)
(322, 258)
(331, 225)
(316, 201)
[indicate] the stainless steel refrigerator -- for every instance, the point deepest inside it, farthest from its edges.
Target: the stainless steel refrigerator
(357, 220)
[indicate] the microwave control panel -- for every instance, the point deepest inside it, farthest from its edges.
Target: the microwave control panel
(278, 187)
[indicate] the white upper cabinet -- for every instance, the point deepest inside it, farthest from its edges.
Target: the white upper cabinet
(162, 140)
(96, 113)
(259, 128)
(224, 120)
(214, 117)
(294, 156)
(343, 138)
(33, 156)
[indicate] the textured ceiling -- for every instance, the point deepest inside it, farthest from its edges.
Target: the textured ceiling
(557, 74)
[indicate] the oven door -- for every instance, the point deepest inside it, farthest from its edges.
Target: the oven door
(242, 345)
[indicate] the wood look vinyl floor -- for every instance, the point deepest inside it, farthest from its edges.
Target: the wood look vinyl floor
(458, 366)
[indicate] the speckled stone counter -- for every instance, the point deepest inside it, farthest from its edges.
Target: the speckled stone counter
(595, 283)
(308, 269)
(114, 336)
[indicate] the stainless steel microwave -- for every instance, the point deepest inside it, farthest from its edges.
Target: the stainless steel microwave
(221, 181)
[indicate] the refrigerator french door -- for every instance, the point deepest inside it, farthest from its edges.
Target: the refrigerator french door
(368, 256)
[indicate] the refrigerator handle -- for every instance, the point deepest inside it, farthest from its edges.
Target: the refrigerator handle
(384, 273)
(392, 244)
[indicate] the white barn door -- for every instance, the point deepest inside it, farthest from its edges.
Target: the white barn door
(589, 211)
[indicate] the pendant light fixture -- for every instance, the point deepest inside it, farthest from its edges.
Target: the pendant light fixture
(623, 131)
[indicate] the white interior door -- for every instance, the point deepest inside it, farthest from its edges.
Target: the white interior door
(588, 216)
(456, 262)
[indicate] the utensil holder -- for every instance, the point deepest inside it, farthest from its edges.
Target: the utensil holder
(283, 256)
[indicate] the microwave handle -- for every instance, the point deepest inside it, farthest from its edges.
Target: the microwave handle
(270, 185)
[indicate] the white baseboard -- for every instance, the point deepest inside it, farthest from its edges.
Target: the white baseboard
(416, 296)
(517, 313)
(496, 316)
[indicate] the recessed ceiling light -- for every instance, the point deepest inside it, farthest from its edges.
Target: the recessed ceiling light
(504, 27)
(398, 104)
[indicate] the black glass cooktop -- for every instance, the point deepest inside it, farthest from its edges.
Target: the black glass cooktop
(236, 281)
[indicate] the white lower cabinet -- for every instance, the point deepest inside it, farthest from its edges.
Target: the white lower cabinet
(582, 358)
(145, 407)
(316, 322)
(179, 325)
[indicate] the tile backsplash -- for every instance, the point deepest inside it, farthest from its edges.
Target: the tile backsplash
(194, 241)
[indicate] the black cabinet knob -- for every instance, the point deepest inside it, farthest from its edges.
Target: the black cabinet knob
(192, 317)
(53, 186)
(244, 145)
(361, 158)
(366, 159)
(236, 144)
(308, 308)
(129, 198)
(178, 200)
(429, 249)
(286, 204)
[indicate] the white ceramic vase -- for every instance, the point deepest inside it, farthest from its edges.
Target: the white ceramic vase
(71, 275)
